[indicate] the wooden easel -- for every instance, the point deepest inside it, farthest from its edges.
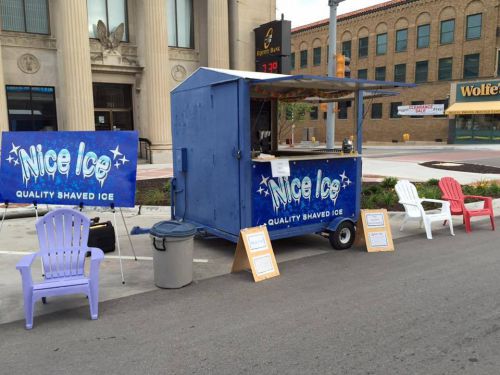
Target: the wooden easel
(255, 252)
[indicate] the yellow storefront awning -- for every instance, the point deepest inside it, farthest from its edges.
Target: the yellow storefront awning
(474, 108)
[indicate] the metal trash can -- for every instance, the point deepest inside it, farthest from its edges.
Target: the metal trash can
(172, 253)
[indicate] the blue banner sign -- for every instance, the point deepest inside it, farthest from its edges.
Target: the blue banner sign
(317, 191)
(69, 168)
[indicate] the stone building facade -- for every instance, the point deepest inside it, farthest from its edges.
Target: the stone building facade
(433, 43)
(110, 64)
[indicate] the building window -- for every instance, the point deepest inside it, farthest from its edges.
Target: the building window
(445, 102)
(376, 110)
(180, 23)
(363, 47)
(474, 23)
(303, 58)
(498, 63)
(447, 32)
(380, 73)
(346, 48)
(342, 114)
(423, 36)
(317, 56)
(292, 60)
(445, 69)
(417, 102)
(313, 114)
(394, 109)
(363, 74)
(401, 40)
(421, 71)
(31, 108)
(400, 73)
(471, 66)
(111, 12)
(27, 16)
(381, 44)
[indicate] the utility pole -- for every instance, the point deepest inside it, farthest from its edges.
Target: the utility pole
(330, 116)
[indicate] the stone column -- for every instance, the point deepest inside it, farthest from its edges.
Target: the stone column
(4, 118)
(74, 64)
(218, 34)
(156, 79)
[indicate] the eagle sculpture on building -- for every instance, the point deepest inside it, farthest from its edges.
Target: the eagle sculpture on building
(110, 41)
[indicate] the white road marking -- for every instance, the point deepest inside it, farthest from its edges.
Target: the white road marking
(124, 257)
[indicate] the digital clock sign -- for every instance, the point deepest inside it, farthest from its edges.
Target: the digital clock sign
(272, 47)
(269, 66)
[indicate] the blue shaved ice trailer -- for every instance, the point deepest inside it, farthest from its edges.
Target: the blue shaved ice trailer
(222, 123)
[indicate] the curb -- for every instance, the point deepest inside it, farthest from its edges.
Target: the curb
(29, 211)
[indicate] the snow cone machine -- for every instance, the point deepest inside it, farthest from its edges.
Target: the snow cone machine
(224, 121)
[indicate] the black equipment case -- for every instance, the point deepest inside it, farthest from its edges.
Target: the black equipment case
(102, 235)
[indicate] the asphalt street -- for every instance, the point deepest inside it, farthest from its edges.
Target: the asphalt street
(431, 307)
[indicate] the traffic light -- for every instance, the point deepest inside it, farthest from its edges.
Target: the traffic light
(347, 69)
(343, 70)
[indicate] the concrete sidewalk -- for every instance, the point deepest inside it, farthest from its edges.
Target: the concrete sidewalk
(213, 257)
(414, 172)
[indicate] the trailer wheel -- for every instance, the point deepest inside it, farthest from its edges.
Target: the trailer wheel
(343, 237)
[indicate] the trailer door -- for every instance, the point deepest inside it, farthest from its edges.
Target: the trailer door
(226, 163)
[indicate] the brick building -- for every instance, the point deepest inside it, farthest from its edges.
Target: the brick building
(434, 43)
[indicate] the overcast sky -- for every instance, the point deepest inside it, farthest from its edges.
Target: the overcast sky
(302, 12)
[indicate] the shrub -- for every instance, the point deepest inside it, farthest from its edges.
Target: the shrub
(372, 189)
(481, 190)
(389, 182)
(153, 197)
(368, 202)
(386, 200)
(428, 191)
(494, 190)
(469, 190)
(433, 182)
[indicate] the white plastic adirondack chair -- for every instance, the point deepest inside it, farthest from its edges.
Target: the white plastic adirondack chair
(63, 235)
(408, 197)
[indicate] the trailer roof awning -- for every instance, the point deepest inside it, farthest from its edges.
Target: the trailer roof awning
(290, 87)
(474, 108)
(350, 97)
(300, 87)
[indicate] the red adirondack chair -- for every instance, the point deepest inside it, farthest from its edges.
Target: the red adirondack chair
(452, 192)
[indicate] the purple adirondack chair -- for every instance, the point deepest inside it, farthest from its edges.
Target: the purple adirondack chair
(63, 236)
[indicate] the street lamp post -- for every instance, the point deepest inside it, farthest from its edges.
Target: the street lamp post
(330, 117)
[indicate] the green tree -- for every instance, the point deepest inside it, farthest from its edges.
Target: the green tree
(288, 115)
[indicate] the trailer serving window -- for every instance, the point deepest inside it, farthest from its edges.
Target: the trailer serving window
(279, 103)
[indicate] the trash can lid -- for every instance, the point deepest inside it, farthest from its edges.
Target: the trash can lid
(170, 228)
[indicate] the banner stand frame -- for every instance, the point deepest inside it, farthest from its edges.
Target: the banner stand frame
(6, 203)
(115, 223)
(118, 242)
(128, 234)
